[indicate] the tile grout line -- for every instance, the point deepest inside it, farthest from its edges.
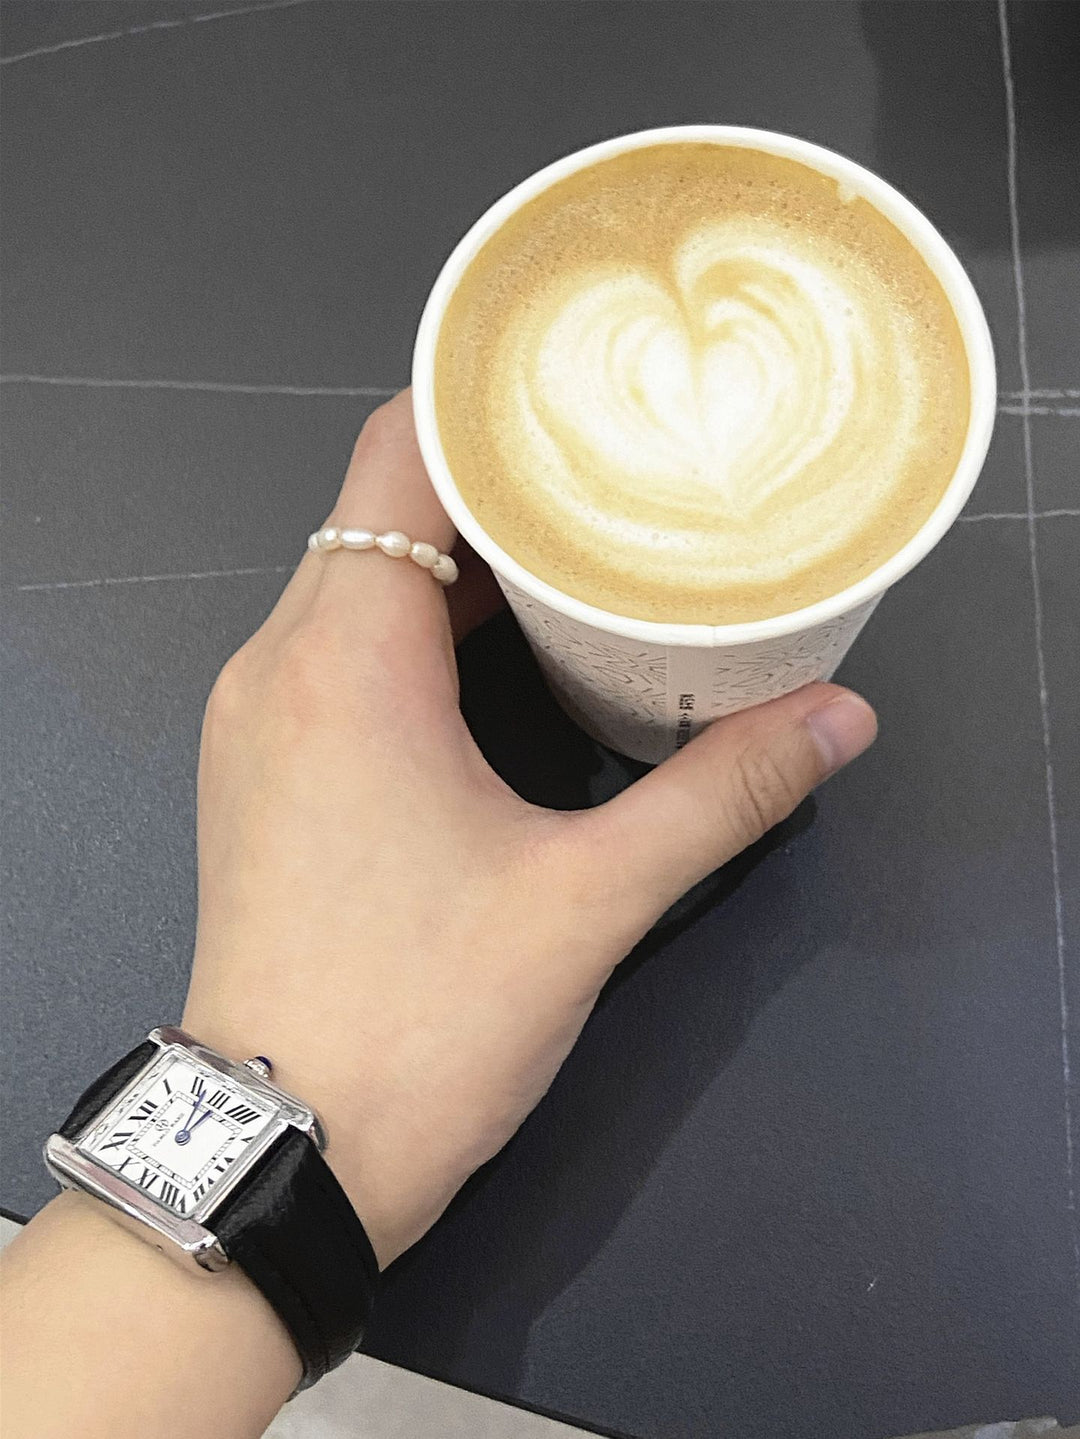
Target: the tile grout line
(153, 579)
(1044, 696)
(1017, 515)
(80, 40)
(1011, 402)
(43, 585)
(217, 387)
(1067, 410)
(1027, 394)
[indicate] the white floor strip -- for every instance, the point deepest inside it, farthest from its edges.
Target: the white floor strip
(367, 1399)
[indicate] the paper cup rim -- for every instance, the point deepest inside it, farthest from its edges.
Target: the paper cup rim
(911, 222)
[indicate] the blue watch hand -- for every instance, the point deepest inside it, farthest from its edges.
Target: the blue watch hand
(204, 1115)
(183, 1134)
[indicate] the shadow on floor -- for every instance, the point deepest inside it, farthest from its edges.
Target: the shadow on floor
(666, 1025)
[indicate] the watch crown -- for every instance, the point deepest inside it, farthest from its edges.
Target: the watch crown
(259, 1065)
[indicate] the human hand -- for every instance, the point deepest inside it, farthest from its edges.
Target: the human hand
(414, 946)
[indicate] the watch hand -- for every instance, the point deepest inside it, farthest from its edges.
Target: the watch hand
(204, 1115)
(183, 1134)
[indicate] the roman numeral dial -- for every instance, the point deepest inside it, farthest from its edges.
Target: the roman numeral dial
(243, 1113)
(179, 1133)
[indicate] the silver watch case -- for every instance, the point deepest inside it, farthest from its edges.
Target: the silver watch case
(188, 1239)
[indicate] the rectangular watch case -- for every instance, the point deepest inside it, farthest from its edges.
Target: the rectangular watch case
(189, 1239)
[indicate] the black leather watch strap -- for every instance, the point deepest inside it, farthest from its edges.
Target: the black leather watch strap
(291, 1228)
(93, 1100)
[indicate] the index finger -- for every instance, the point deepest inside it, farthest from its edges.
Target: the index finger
(385, 488)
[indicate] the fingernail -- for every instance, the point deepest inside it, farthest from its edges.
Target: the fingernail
(842, 729)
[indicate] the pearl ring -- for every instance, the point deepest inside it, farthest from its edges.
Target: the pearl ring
(393, 543)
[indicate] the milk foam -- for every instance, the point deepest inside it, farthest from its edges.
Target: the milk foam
(703, 427)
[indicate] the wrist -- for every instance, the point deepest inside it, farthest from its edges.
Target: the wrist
(378, 1197)
(84, 1296)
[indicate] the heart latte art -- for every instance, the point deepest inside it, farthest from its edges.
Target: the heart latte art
(697, 383)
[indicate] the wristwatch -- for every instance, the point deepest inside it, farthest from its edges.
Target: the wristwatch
(213, 1164)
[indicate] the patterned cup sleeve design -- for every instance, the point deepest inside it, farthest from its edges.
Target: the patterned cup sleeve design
(646, 700)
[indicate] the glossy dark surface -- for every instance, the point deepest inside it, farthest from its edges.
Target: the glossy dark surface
(807, 1171)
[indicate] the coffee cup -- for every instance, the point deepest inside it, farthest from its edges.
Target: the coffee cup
(643, 686)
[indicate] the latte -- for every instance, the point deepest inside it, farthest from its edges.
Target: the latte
(700, 383)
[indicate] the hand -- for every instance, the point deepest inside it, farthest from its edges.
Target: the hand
(414, 946)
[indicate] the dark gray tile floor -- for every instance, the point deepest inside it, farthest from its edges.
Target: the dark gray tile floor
(268, 197)
(1059, 545)
(1055, 449)
(1046, 68)
(808, 1160)
(808, 1171)
(104, 688)
(135, 482)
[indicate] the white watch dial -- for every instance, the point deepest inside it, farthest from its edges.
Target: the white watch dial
(179, 1132)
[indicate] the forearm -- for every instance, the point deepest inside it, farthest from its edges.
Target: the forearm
(104, 1337)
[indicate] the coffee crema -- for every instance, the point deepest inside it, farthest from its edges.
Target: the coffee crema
(700, 383)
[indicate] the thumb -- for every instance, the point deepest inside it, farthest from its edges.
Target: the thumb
(736, 780)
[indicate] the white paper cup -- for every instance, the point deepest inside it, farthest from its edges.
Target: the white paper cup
(644, 687)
